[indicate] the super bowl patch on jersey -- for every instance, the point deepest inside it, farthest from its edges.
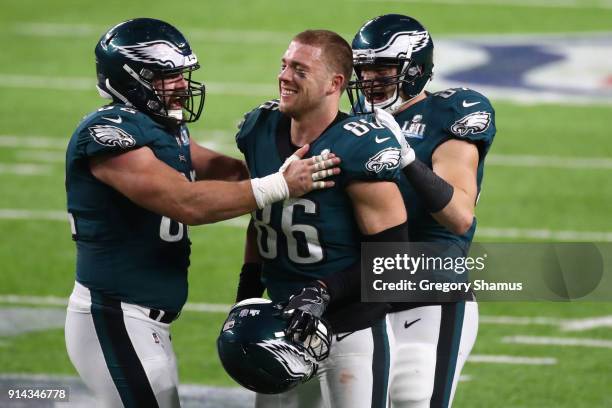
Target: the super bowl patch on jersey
(475, 122)
(108, 135)
(388, 158)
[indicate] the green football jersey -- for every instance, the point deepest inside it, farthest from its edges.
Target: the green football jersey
(306, 238)
(457, 113)
(123, 250)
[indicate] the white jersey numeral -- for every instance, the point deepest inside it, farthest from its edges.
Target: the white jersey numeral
(298, 236)
(166, 234)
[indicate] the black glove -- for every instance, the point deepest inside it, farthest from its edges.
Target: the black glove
(250, 285)
(305, 310)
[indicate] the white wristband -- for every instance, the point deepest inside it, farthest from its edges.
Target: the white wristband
(269, 189)
(408, 156)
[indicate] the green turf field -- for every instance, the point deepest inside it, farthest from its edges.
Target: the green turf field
(47, 75)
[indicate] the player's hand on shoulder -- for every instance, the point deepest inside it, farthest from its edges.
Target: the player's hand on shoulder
(305, 175)
(386, 119)
(304, 311)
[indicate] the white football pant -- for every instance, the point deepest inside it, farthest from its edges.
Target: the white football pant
(122, 355)
(432, 344)
(355, 375)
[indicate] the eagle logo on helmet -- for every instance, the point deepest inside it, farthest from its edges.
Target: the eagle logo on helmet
(108, 135)
(476, 122)
(298, 363)
(158, 52)
(418, 40)
(388, 158)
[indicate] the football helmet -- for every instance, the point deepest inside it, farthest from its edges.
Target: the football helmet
(256, 352)
(392, 40)
(134, 58)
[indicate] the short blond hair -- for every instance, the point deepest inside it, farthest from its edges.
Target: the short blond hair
(336, 51)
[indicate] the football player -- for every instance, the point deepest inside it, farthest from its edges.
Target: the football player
(307, 244)
(445, 137)
(130, 171)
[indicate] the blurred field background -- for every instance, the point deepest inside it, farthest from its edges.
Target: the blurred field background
(548, 177)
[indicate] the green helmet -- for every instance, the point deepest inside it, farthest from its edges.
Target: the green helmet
(391, 40)
(255, 351)
(135, 53)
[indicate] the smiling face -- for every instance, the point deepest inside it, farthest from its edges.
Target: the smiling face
(378, 90)
(303, 79)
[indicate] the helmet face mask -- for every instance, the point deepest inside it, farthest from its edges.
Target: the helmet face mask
(183, 104)
(137, 56)
(257, 354)
(391, 40)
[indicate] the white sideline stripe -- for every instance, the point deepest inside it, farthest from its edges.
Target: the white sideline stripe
(550, 161)
(24, 169)
(544, 234)
(500, 359)
(508, 3)
(557, 341)
(242, 222)
(87, 84)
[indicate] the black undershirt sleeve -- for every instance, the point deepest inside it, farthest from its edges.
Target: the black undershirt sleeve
(348, 281)
(432, 189)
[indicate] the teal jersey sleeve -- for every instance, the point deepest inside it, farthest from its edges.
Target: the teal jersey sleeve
(369, 151)
(470, 116)
(248, 124)
(112, 129)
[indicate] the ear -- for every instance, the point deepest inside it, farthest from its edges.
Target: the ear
(335, 85)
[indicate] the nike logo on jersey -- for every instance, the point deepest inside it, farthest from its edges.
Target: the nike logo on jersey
(467, 104)
(117, 121)
(344, 336)
(407, 325)
(384, 139)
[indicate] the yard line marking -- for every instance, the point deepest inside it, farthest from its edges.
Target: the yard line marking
(18, 214)
(510, 160)
(71, 30)
(557, 341)
(87, 84)
(544, 234)
(602, 163)
(501, 359)
(45, 156)
(568, 325)
(586, 324)
(24, 169)
(520, 320)
(580, 324)
(513, 3)
(63, 301)
(242, 222)
(42, 142)
(34, 300)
